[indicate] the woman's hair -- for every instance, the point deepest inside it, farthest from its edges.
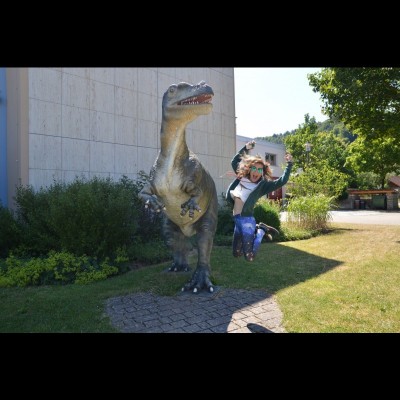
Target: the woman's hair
(248, 161)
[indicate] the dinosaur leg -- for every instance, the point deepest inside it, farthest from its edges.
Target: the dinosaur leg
(205, 228)
(179, 245)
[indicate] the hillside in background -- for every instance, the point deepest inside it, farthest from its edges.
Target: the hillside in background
(329, 125)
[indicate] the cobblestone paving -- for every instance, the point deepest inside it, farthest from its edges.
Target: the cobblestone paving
(224, 311)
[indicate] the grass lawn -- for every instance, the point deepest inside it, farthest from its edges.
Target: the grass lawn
(344, 281)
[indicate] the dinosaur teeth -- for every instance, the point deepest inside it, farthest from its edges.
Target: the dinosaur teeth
(202, 99)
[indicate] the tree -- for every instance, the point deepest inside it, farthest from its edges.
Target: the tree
(277, 137)
(380, 156)
(367, 100)
(317, 180)
(338, 128)
(324, 146)
(295, 143)
(323, 168)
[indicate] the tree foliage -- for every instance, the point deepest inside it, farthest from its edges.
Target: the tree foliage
(319, 179)
(278, 138)
(338, 128)
(367, 100)
(325, 146)
(333, 125)
(379, 156)
(322, 170)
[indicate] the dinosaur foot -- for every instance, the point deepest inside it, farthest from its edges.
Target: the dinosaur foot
(200, 280)
(179, 267)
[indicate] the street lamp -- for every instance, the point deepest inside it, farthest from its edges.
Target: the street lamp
(308, 146)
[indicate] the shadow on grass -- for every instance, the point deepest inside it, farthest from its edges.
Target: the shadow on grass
(243, 301)
(275, 267)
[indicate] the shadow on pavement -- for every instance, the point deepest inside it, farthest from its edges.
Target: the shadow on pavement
(226, 310)
(255, 328)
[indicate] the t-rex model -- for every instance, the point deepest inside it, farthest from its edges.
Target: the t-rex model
(179, 185)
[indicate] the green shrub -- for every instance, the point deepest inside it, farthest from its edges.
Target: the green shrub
(102, 272)
(225, 223)
(94, 217)
(26, 272)
(149, 252)
(267, 211)
(310, 212)
(222, 240)
(59, 268)
(33, 214)
(149, 222)
(287, 234)
(10, 232)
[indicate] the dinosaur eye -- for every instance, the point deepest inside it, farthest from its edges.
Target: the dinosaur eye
(172, 89)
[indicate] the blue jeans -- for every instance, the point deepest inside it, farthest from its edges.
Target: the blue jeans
(246, 240)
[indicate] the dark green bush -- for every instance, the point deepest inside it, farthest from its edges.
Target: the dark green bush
(149, 222)
(267, 211)
(223, 240)
(10, 232)
(150, 252)
(225, 224)
(33, 214)
(83, 217)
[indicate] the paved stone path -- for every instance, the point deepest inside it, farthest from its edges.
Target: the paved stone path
(224, 311)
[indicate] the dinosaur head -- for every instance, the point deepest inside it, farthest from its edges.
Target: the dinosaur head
(184, 101)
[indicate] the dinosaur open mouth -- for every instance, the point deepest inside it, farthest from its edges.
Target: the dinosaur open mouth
(204, 98)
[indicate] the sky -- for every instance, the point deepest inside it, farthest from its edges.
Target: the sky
(274, 100)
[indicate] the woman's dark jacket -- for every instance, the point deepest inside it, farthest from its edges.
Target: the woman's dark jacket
(263, 188)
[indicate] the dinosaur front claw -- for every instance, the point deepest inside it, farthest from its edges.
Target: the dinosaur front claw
(154, 205)
(190, 206)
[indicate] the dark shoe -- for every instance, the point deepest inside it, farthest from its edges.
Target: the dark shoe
(268, 229)
(268, 237)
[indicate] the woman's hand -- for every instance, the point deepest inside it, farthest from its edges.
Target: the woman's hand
(250, 145)
(288, 157)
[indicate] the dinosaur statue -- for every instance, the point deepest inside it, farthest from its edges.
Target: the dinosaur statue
(181, 187)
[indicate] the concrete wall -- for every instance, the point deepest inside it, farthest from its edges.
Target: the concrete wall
(17, 130)
(68, 122)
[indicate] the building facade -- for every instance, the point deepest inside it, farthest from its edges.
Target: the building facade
(57, 124)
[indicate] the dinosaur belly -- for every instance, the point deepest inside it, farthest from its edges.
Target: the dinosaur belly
(173, 211)
(169, 191)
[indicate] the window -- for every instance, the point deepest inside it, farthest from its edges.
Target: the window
(271, 158)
